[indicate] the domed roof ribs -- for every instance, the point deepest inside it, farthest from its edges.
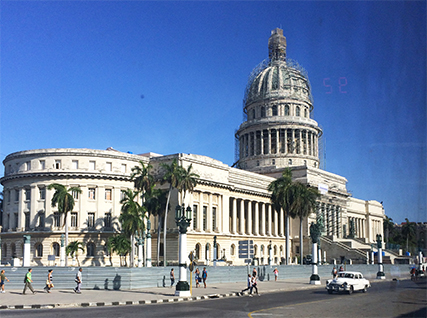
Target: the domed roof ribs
(277, 46)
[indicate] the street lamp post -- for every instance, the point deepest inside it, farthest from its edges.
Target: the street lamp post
(148, 248)
(62, 255)
(315, 234)
(214, 251)
(269, 254)
(183, 220)
(140, 241)
(380, 274)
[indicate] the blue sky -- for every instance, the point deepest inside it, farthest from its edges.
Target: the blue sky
(169, 77)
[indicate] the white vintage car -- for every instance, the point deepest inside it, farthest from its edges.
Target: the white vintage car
(349, 282)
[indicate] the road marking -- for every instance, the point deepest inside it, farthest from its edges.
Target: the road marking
(256, 312)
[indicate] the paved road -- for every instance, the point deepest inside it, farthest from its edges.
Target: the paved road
(384, 299)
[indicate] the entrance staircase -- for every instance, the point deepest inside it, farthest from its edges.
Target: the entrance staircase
(355, 249)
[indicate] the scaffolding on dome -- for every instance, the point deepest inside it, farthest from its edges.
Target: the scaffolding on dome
(266, 63)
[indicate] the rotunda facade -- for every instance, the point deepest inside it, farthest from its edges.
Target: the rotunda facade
(278, 130)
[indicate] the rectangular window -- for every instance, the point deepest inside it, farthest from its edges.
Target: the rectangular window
(123, 168)
(91, 193)
(194, 217)
(214, 218)
(122, 195)
(73, 219)
(42, 219)
(57, 164)
(28, 165)
(9, 193)
(16, 195)
(107, 220)
(75, 164)
(91, 219)
(16, 220)
(42, 193)
(56, 219)
(42, 164)
(92, 165)
(27, 220)
(27, 194)
(108, 194)
(75, 195)
(109, 166)
(205, 217)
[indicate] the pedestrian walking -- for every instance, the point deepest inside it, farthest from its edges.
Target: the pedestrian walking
(3, 278)
(197, 277)
(254, 285)
(254, 272)
(276, 274)
(341, 269)
(78, 280)
(334, 273)
(204, 276)
(172, 277)
(28, 280)
(49, 284)
(249, 284)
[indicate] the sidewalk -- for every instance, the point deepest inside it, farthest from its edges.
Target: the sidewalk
(13, 299)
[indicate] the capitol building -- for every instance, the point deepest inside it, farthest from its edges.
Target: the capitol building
(229, 202)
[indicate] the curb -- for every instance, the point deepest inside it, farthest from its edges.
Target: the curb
(140, 302)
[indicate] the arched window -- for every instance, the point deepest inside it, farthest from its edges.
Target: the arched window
(218, 250)
(90, 249)
(207, 251)
(232, 249)
(305, 113)
(274, 110)
(253, 113)
(275, 250)
(38, 249)
(13, 250)
(298, 111)
(255, 250)
(4, 250)
(290, 162)
(197, 251)
(262, 112)
(55, 249)
(286, 110)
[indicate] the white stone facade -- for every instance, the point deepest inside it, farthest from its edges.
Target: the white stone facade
(230, 203)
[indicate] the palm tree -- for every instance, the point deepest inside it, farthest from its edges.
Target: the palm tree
(141, 177)
(304, 203)
(282, 198)
(73, 248)
(154, 201)
(120, 245)
(388, 227)
(187, 181)
(408, 230)
(172, 176)
(64, 199)
(131, 218)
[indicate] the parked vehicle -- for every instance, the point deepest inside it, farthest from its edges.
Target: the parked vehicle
(348, 282)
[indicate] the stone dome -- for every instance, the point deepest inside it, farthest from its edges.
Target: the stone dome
(278, 76)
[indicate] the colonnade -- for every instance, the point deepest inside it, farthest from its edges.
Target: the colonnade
(331, 218)
(255, 218)
(275, 141)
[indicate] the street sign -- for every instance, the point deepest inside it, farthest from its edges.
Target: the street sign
(191, 256)
(246, 249)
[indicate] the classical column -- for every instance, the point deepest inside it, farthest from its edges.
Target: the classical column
(282, 222)
(262, 232)
(33, 206)
(242, 217)
(20, 223)
(276, 222)
(210, 226)
(234, 216)
(249, 223)
(256, 232)
(269, 233)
